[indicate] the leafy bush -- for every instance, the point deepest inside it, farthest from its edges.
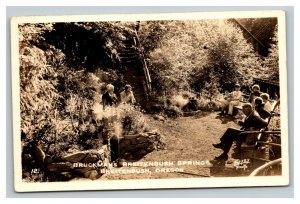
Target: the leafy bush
(190, 54)
(38, 80)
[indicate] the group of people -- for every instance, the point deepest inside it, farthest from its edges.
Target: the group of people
(109, 98)
(257, 111)
(257, 99)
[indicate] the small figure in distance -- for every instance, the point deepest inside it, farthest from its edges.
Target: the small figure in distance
(231, 100)
(127, 95)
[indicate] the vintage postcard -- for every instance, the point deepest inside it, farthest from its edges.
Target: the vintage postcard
(141, 101)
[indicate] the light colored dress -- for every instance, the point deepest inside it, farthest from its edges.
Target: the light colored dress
(127, 97)
(233, 100)
(268, 106)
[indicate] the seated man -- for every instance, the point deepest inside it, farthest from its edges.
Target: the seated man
(233, 99)
(252, 122)
(260, 108)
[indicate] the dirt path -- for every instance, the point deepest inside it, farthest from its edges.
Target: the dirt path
(187, 139)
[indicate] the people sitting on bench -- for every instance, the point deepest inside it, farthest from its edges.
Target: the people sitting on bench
(252, 122)
(233, 99)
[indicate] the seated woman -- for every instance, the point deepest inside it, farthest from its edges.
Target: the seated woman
(252, 122)
(233, 99)
(267, 105)
(254, 93)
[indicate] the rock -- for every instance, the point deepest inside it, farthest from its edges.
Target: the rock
(146, 129)
(90, 158)
(159, 117)
(129, 148)
(27, 158)
(93, 174)
(123, 152)
(152, 137)
(120, 162)
(125, 142)
(67, 174)
(39, 155)
(129, 137)
(142, 152)
(142, 146)
(48, 160)
(74, 157)
(154, 132)
(143, 135)
(142, 139)
(150, 148)
(84, 169)
(133, 141)
(129, 157)
(61, 166)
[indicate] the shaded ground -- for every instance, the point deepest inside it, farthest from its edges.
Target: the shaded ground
(187, 139)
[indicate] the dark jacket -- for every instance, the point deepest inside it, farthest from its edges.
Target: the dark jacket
(262, 112)
(253, 95)
(254, 121)
(108, 99)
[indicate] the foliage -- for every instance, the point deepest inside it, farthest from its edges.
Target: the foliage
(262, 29)
(38, 80)
(151, 33)
(132, 119)
(58, 100)
(191, 53)
(90, 45)
(272, 61)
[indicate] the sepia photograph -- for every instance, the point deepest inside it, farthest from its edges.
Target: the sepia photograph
(139, 101)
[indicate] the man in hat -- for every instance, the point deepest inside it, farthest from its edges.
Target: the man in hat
(233, 99)
(127, 95)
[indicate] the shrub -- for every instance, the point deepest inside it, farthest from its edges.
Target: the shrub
(190, 53)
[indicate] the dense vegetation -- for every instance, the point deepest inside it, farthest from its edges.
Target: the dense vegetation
(64, 68)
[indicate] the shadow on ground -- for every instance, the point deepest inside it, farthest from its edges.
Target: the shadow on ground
(226, 119)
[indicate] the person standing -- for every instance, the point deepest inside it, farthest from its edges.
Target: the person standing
(109, 98)
(127, 95)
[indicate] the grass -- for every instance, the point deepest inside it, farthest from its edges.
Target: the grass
(187, 139)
